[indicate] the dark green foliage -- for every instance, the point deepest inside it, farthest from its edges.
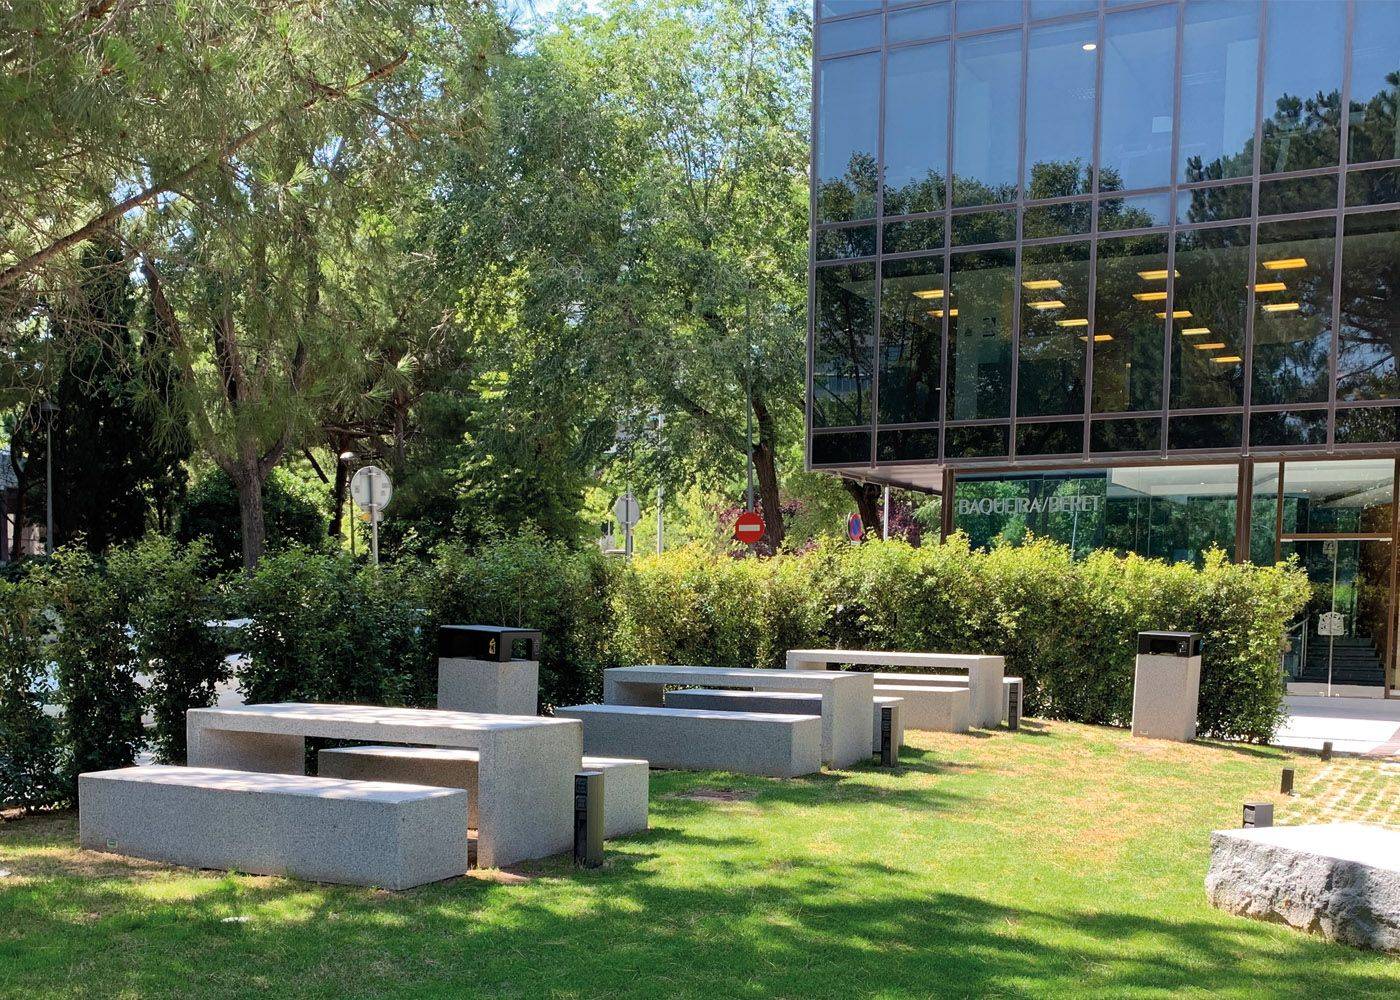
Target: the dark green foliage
(29, 744)
(294, 515)
(96, 662)
(170, 603)
(326, 629)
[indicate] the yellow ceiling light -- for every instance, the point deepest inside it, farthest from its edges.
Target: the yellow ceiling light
(939, 312)
(1047, 304)
(1271, 286)
(1195, 331)
(1150, 296)
(1099, 338)
(1227, 359)
(1176, 314)
(1281, 307)
(1286, 263)
(1071, 322)
(929, 293)
(1159, 275)
(1042, 284)
(1207, 347)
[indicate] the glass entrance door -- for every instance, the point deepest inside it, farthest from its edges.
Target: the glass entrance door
(1341, 637)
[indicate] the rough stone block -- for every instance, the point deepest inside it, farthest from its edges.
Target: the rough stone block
(319, 829)
(1340, 880)
(779, 746)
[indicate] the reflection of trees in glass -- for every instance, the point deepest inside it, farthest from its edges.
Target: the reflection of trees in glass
(1052, 351)
(1375, 124)
(851, 195)
(1081, 529)
(920, 194)
(979, 335)
(1291, 348)
(1128, 368)
(1212, 265)
(911, 337)
(1302, 132)
(843, 349)
(1370, 308)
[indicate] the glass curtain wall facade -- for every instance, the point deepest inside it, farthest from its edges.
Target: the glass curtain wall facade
(1069, 231)
(1122, 273)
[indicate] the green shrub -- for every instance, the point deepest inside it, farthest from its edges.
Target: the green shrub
(170, 602)
(326, 629)
(1067, 627)
(96, 663)
(29, 739)
(293, 514)
(525, 581)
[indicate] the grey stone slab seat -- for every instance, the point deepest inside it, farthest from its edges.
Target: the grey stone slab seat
(1012, 686)
(846, 697)
(934, 707)
(1340, 880)
(984, 673)
(774, 745)
(319, 829)
(526, 783)
(732, 700)
(625, 782)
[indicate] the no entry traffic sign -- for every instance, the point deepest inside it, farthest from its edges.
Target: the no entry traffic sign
(748, 527)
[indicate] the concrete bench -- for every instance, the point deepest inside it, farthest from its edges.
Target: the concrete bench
(779, 746)
(982, 674)
(1341, 880)
(319, 829)
(941, 708)
(625, 782)
(1013, 687)
(729, 700)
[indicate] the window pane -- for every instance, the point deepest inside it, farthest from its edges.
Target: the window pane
(912, 302)
(847, 120)
(979, 335)
(985, 149)
(983, 227)
(841, 449)
(1263, 529)
(1065, 507)
(1208, 317)
(1302, 86)
(1370, 310)
(1041, 9)
(849, 35)
(835, 8)
(976, 442)
(1136, 434)
(913, 25)
(1293, 311)
(909, 445)
(1059, 438)
(1175, 513)
(1128, 368)
(1069, 219)
(845, 241)
(1368, 425)
(844, 345)
(1373, 187)
(1219, 77)
(987, 14)
(1298, 194)
(1214, 204)
(916, 129)
(1208, 430)
(1139, 63)
(1353, 495)
(1375, 83)
(1054, 329)
(915, 234)
(1060, 78)
(1289, 428)
(1141, 211)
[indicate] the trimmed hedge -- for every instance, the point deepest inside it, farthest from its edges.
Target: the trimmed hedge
(1067, 627)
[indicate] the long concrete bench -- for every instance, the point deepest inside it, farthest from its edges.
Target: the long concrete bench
(983, 673)
(779, 746)
(928, 704)
(1012, 687)
(625, 782)
(729, 700)
(320, 829)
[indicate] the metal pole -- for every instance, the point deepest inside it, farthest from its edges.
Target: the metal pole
(48, 489)
(374, 523)
(659, 522)
(1332, 639)
(748, 393)
(885, 518)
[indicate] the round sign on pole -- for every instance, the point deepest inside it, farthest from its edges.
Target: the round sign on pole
(748, 527)
(855, 528)
(627, 511)
(371, 487)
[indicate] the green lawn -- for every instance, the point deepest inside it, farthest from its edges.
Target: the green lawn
(1061, 860)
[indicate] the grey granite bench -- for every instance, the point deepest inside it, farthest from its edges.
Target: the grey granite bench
(981, 674)
(779, 746)
(730, 700)
(1341, 880)
(625, 782)
(928, 702)
(319, 829)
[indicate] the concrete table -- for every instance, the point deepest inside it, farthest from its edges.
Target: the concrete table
(525, 789)
(984, 673)
(847, 698)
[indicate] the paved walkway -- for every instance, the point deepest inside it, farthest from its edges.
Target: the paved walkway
(1368, 726)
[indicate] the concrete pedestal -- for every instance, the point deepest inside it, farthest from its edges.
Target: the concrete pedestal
(511, 687)
(1166, 690)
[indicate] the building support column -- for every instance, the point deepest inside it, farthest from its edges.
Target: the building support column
(950, 484)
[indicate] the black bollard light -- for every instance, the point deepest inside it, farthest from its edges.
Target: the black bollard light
(1285, 784)
(588, 819)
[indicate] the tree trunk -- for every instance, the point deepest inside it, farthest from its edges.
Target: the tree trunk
(250, 514)
(867, 497)
(342, 479)
(765, 467)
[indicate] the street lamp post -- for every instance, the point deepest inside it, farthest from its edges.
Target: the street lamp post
(346, 457)
(48, 408)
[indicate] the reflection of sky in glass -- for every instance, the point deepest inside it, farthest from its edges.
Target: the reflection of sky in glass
(1219, 76)
(1302, 63)
(1139, 62)
(985, 143)
(1060, 107)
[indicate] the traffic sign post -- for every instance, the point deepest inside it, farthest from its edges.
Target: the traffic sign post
(372, 489)
(628, 512)
(748, 527)
(855, 528)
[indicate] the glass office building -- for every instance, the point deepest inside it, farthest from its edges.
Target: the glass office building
(1124, 273)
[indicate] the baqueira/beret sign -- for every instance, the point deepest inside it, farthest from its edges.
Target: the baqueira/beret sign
(1026, 505)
